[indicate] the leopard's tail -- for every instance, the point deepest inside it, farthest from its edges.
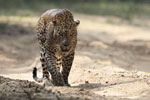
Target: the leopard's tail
(34, 73)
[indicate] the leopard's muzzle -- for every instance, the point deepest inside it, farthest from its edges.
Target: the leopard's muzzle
(65, 48)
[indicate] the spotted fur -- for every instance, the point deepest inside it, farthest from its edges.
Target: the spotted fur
(57, 36)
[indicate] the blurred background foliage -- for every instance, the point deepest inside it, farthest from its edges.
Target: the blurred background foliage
(125, 9)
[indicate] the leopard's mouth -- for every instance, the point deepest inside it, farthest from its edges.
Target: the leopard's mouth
(65, 49)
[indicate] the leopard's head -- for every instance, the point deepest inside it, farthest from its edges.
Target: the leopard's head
(65, 30)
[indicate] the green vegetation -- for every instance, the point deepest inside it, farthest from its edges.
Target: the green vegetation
(122, 8)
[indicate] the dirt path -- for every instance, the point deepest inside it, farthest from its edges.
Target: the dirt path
(111, 62)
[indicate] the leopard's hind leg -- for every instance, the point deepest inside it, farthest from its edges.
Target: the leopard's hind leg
(45, 72)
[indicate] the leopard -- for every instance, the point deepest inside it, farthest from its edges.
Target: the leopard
(57, 38)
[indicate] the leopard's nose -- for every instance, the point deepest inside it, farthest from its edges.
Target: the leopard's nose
(66, 43)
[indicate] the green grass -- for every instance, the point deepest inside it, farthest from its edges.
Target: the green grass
(126, 9)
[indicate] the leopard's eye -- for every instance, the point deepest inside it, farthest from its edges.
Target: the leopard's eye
(70, 35)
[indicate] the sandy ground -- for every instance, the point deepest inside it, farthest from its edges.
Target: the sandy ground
(111, 62)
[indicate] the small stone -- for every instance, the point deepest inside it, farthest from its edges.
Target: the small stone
(86, 82)
(58, 92)
(96, 74)
(81, 90)
(122, 75)
(113, 84)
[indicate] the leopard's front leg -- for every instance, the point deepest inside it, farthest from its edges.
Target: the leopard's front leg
(66, 64)
(55, 74)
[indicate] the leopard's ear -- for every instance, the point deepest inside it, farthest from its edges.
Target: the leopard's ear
(77, 23)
